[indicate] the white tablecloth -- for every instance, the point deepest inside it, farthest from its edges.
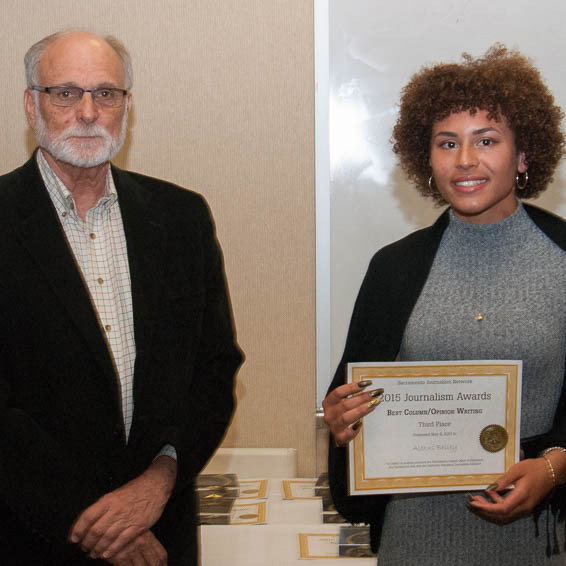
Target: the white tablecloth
(274, 544)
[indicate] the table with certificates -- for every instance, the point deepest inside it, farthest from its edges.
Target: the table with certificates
(441, 426)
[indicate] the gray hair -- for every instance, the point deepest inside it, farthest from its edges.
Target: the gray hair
(34, 53)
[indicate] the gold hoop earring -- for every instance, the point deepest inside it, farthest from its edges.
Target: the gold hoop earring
(522, 185)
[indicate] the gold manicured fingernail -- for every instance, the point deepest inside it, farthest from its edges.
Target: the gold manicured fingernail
(376, 392)
(492, 487)
(357, 424)
(374, 403)
(362, 384)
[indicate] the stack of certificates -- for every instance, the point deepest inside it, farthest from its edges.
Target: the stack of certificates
(329, 512)
(216, 495)
(354, 542)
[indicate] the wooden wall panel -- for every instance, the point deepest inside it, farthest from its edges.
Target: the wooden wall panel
(224, 104)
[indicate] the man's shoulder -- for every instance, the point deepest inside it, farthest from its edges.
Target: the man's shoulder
(154, 187)
(160, 196)
(15, 187)
(10, 178)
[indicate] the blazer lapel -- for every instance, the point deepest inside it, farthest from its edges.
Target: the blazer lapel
(146, 239)
(42, 235)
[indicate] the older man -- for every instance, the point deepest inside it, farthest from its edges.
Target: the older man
(117, 354)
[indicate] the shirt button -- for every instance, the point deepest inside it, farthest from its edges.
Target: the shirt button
(92, 236)
(63, 214)
(100, 280)
(108, 328)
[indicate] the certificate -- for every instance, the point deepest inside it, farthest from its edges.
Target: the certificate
(299, 489)
(318, 545)
(441, 426)
(253, 489)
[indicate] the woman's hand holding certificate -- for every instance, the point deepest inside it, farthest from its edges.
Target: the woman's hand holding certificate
(345, 406)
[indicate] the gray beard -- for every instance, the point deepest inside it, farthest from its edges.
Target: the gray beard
(61, 149)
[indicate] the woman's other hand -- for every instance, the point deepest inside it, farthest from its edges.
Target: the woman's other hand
(345, 406)
(534, 479)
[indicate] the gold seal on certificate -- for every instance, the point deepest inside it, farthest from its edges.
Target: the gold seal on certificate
(441, 426)
(493, 438)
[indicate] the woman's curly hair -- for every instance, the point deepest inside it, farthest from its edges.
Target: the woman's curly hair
(503, 83)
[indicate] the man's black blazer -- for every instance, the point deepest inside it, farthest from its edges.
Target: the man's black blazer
(62, 442)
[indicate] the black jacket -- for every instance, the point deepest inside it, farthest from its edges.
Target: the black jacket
(62, 441)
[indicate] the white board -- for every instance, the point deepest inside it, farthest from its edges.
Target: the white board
(366, 51)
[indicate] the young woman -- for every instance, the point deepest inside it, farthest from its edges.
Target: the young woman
(486, 281)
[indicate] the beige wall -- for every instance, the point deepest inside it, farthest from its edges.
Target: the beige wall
(224, 104)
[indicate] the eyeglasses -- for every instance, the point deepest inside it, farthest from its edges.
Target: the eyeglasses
(69, 95)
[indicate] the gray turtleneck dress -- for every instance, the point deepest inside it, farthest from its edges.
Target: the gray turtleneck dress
(513, 275)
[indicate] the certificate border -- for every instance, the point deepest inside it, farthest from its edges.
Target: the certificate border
(304, 549)
(510, 370)
(288, 489)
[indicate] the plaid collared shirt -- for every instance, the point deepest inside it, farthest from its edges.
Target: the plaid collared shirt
(99, 246)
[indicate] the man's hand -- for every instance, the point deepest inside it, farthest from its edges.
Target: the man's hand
(145, 550)
(118, 518)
